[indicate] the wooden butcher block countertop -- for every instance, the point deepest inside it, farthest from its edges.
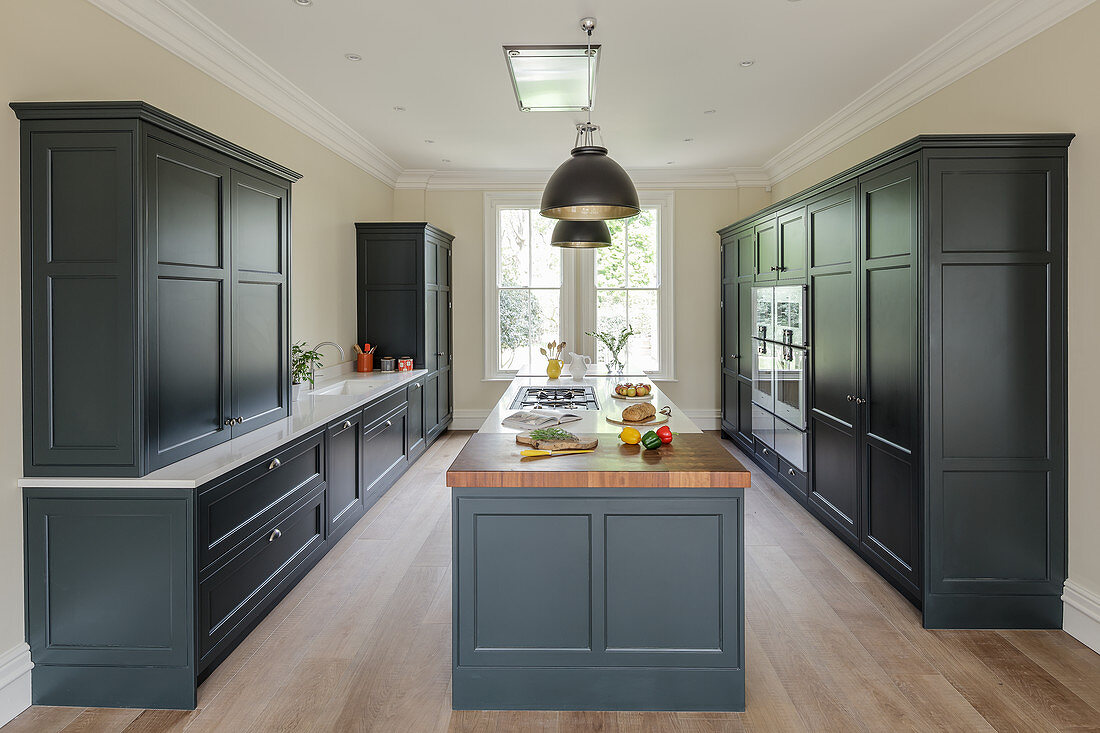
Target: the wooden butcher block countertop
(691, 460)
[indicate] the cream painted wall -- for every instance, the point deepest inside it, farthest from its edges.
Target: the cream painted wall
(69, 50)
(697, 214)
(1047, 84)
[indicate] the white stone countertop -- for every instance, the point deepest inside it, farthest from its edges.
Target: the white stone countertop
(592, 421)
(332, 398)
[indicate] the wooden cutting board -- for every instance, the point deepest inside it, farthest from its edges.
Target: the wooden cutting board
(581, 443)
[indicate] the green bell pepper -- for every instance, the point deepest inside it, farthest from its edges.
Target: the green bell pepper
(651, 441)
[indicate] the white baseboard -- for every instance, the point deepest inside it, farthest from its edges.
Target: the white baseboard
(15, 681)
(1081, 615)
(468, 419)
(706, 419)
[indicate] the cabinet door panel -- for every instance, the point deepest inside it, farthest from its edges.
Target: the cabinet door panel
(384, 452)
(744, 410)
(746, 252)
(835, 488)
(729, 326)
(831, 220)
(345, 473)
(729, 400)
(889, 360)
(431, 330)
(188, 300)
(792, 245)
(431, 405)
(767, 251)
(891, 508)
(745, 319)
(443, 406)
(443, 329)
(260, 350)
(834, 328)
(416, 418)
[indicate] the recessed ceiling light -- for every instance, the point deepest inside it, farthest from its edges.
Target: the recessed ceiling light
(353, 57)
(398, 108)
(689, 139)
(446, 160)
(709, 111)
(429, 141)
(304, 3)
(747, 63)
(670, 162)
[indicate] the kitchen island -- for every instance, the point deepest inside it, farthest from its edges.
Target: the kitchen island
(610, 580)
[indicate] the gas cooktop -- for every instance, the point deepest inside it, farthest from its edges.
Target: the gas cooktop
(556, 398)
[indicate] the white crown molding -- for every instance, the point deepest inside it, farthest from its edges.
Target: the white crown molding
(646, 179)
(189, 34)
(15, 681)
(1081, 614)
(998, 28)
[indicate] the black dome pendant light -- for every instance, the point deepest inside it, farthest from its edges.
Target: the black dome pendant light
(576, 234)
(589, 186)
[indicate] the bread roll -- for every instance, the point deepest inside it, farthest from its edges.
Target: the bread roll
(639, 412)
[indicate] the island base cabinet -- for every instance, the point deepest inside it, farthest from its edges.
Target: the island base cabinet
(585, 600)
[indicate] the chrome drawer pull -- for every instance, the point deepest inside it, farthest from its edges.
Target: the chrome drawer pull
(276, 534)
(347, 424)
(415, 386)
(389, 423)
(274, 464)
(790, 471)
(240, 420)
(766, 451)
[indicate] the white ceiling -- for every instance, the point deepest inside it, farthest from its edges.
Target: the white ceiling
(664, 64)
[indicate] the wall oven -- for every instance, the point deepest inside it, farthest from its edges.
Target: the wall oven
(779, 370)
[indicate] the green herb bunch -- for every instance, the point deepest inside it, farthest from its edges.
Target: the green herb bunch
(552, 434)
(302, 361)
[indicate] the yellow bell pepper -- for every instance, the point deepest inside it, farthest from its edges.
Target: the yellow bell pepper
(630, 436)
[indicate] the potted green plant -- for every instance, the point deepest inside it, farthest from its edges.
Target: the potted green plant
(302, 363)
(615, 345)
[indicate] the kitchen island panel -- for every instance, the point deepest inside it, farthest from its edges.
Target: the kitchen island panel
(656, 581)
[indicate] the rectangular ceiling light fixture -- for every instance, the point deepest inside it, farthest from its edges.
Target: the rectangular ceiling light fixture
(551, 78)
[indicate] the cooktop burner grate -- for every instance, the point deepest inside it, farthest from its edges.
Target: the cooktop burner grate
(558, 398)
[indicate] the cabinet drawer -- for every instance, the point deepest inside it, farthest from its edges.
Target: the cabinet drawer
(793, 476)
(373, 412)
(243, 589)
(230, 511)
(767, 455)
(385, 452)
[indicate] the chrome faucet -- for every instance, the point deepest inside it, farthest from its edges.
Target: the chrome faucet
(313, 367)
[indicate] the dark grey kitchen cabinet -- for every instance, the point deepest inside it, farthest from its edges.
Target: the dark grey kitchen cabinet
(345, 474)
(385, 451)
(767, 250)
(155, 275)
(791, 244)
(404, 305)
(417, 436)
(937, 371)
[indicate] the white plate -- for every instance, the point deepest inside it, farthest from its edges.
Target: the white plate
(632, 399)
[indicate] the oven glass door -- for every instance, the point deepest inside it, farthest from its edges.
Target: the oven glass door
(763, 374)
(790, 384)
(789, 310)
(763, 301)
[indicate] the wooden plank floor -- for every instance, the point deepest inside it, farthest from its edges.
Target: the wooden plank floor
(363, 644)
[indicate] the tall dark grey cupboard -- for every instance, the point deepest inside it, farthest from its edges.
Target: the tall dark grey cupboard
(404, 306)
(937, 370)
(156, 263)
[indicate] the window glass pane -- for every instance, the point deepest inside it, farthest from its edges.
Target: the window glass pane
(642, 250)
(547, 326)
(545, 259)
(513, 264)
(611, 261)
(610, 318)
(644, 351)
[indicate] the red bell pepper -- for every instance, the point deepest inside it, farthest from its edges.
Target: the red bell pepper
(665, 434)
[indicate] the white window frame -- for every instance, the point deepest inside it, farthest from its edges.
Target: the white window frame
(578, 286)
(494, 202)
(586, 273)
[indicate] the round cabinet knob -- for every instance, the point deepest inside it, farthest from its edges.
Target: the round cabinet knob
(275, 463)
(790, 472)
(851, 398)
(240, 420)
(860, 401)
(766, 452)
(228, 421)
(440, 353)
(347, 424)
(389, 423)
(416, 385)
(275, 534)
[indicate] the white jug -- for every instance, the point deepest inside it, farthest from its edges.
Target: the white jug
(578, 365)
